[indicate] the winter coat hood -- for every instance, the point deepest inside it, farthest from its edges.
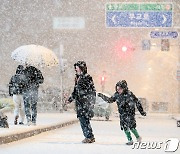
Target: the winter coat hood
(20, 69)
(82, 66)
(122, 84)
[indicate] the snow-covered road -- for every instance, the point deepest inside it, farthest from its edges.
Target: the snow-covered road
(109, 138)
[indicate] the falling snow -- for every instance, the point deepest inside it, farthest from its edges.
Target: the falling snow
(140, 46)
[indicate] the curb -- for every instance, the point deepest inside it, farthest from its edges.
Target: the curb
(177, 119)
(20, 136)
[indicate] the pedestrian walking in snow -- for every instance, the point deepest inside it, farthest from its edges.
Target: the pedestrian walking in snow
(84, 95)
(30, 96)
(16, 87)
(126, 102)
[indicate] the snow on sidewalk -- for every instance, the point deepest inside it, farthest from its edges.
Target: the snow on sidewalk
(45, 122)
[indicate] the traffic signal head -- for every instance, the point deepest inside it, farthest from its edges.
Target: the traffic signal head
(124, 48)
(102, 80)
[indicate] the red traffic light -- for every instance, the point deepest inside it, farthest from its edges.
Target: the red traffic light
(123, 48)
(102, 78)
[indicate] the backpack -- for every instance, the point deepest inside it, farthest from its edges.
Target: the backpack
(34, 75)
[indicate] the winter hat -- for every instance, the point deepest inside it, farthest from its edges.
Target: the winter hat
(122, 84)
(82, 66)
(20, 69)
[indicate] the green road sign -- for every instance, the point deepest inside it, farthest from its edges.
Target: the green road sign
(139, 6)
(120, 7)
(139, 14)
(156, 7)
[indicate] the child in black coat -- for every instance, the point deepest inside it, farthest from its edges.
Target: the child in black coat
(126, 102)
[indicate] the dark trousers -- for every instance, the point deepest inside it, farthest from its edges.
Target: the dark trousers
(86, 127)
(30, 105)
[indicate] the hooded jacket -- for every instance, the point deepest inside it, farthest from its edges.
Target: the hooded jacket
(34, 77)
(126, 103)
(17, 82)
(84, 93)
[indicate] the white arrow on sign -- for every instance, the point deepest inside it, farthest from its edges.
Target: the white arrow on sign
(113, 19)
(164, 19)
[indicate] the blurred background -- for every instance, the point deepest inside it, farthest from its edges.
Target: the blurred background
(77, 30)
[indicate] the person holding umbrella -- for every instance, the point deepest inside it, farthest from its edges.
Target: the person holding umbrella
(30, 96)
(126, 102)
(84, 95)
(32, 56)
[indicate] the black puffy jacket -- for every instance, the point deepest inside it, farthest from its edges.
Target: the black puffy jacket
(34, 76)
(85, 95)
(17, 84)
(126, 102)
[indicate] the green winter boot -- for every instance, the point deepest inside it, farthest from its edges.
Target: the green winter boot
(134, 131)
(128, 135)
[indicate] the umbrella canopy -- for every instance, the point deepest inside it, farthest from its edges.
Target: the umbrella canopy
(35, 55)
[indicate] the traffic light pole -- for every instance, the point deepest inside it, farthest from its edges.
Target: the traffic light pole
(102, 86)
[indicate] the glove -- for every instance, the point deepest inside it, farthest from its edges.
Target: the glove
(121, 125)
(143, 113)
(70, 99)
(100, 95)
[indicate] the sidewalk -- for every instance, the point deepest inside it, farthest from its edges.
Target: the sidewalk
(45, 122)
(49, 121)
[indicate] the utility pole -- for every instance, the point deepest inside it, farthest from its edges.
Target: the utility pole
(61, 76)
(63, 65)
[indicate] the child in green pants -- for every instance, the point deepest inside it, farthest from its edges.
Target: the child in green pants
(126, 102)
